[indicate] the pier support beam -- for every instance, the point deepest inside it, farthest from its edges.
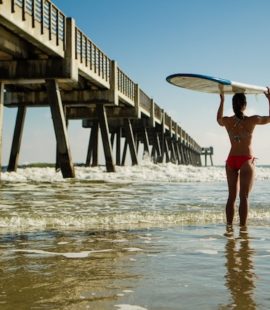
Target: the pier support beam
(104, 128)
(146, 147)
(156, 150)
(124, 153)
(207, 151)
(92, 152)
(177, 153)
(60, 129)
(182, 153)
(171, 146)
(17, 138)
(162, 139)
(1, 121)
(131, 142)
(166, 150)
(118, 146)
(57, 164)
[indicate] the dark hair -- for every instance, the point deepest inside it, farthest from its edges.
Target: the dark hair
(239, 101)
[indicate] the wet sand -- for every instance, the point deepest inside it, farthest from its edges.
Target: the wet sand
(188, 267)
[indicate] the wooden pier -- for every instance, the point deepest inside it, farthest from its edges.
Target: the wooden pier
(46, 60)
(207, 151)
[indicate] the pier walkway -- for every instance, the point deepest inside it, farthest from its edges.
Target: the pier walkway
(46, 60)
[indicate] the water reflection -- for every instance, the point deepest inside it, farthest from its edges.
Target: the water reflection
(240, 276)
(34, 274)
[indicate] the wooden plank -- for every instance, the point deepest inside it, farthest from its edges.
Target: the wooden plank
(17, 138)
(60, 129)
(23, 9)
(1, 121)
(104, 128)
(130, 141)
(12, 6)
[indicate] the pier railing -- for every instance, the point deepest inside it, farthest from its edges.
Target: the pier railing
(91, 59)
(126, 87)
(40, 20)
(145, 102)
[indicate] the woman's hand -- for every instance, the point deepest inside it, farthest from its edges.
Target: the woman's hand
(267, 94)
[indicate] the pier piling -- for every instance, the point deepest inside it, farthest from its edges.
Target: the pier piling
(103, 122)
(17, 137)
(60, 129)
(92, 152)
(130, 141)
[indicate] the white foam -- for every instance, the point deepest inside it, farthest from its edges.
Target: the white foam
(128, 291)
(133, 249)
(208, 252)
(145, 172)
(141, 173)
(74, 220)
(82, 254)
(129, 307)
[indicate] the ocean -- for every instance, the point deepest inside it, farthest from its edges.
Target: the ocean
(145, 237)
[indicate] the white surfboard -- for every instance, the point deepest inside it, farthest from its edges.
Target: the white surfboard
(210, 84)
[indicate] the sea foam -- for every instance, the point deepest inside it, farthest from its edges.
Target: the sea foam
(147, 172)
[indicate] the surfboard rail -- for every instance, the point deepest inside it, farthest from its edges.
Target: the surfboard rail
(212, 84)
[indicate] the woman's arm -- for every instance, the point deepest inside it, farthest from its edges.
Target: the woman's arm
(220, 110)
(262, 120)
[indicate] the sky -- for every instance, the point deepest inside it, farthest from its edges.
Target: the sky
(151, 39)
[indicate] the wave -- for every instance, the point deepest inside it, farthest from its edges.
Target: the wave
(146, 172)
(145, 196)
(126, 220)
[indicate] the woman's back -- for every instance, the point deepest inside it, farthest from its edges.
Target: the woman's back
(240, 133)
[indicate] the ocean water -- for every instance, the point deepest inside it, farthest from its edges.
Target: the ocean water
(145, 237)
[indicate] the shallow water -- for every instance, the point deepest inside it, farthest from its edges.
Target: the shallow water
(148, 237)
(178, 268)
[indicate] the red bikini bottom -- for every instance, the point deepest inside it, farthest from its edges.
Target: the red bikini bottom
(236, 162)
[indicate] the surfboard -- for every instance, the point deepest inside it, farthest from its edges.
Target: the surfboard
(211, 84)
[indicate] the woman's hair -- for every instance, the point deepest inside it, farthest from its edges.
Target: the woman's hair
(239, 102)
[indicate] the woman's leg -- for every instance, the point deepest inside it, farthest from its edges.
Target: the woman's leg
(247, 172)
(232, 179)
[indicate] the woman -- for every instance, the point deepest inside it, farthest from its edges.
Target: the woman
(240, 162)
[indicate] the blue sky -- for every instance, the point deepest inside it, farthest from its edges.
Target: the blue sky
(151, 39)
